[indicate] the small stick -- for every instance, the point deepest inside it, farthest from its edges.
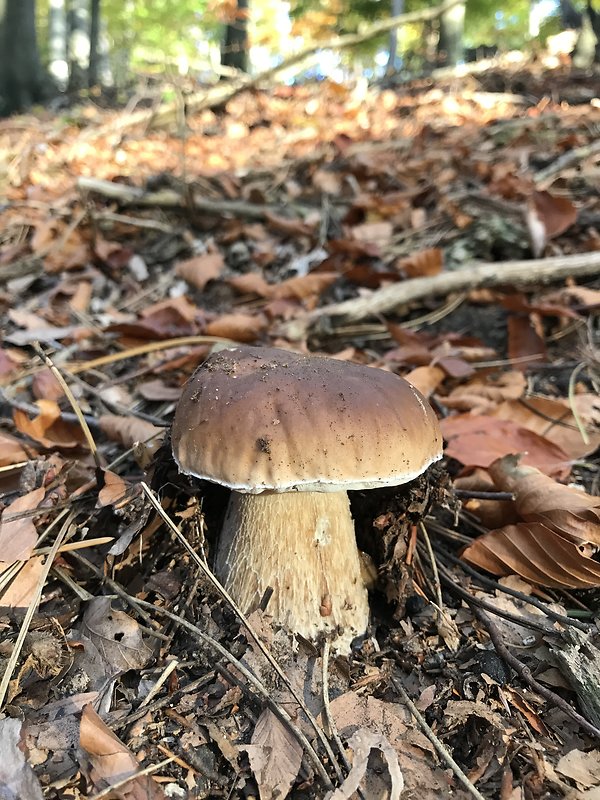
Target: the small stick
(525, 672)
(439, 747)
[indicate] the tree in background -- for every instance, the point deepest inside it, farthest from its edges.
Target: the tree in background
(234, 48)
(451, 41)
(23, 82)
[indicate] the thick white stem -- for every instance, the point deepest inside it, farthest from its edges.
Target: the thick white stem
(302, 545)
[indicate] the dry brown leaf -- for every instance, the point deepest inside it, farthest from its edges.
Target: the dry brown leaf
(424, 263)
(157, 390)
(198, 271)
(18, 536)
(275, 757)
(116, 636)
(374, 233)
(536, 553)
(45, 385)
(362, 742)
(237, 326)
(48, 428)
(572, 513)
(109, 762)
(128, 430)
(114, 490)
(482, 397)
(11, 450)
(526, 338)
(22, 589)
(548, 216)
(478, 440)
(554, 420)
(426, 379)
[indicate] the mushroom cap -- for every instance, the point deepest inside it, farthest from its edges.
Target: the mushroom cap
(259, 419)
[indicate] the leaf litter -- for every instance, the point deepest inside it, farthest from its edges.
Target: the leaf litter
(128, 274)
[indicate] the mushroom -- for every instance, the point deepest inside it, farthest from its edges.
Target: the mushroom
(290, 434)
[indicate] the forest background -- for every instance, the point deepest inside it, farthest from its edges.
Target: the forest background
(59, 49)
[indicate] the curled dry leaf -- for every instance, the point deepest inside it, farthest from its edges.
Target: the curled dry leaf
(571, 512)
(275, 757)
(482, 396)
(20, 592)
(548, 216)
(107, 761)
(48, 428)
(553, 544)
(117, 636)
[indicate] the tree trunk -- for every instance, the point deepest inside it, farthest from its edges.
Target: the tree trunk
(93, 72)
(450, 50)
(23, 82)
(397, 8)
(234, 50)
(57, 42)
(78, 44)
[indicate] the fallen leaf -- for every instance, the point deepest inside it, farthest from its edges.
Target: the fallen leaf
(11, 450)
(107, 761)
(18, 536)
(421, 264)
(20, 592)
(117, 636)
(547, 217)
(478, 440)
(362, 742)
(198, 271)
(554, 420)
(128, 430)
(114, 490)
(482, 396)
(17, 778)
(426, 379)
(48, 428)
(237, 326)
(570, 512)
(275, 756)
(583, 768)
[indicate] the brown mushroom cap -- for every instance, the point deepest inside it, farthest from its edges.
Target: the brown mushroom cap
(262, 419)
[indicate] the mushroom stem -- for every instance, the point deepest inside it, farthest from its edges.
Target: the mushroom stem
(303, 546)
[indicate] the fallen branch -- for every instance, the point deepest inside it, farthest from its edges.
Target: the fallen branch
(476, 276)
(169, 198)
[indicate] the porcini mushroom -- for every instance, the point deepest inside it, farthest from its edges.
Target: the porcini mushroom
(290, 434)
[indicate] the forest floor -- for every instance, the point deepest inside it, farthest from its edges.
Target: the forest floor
(448, 231)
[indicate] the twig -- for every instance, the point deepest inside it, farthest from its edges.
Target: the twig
(171, 666)
(525, 673)
(144, 349)
(244, 620)
(439, 747)
(572, 382)
(74, 404)
(327, 709)
(568, 159)
(502, 273)
(525, 598)
(470, 494)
